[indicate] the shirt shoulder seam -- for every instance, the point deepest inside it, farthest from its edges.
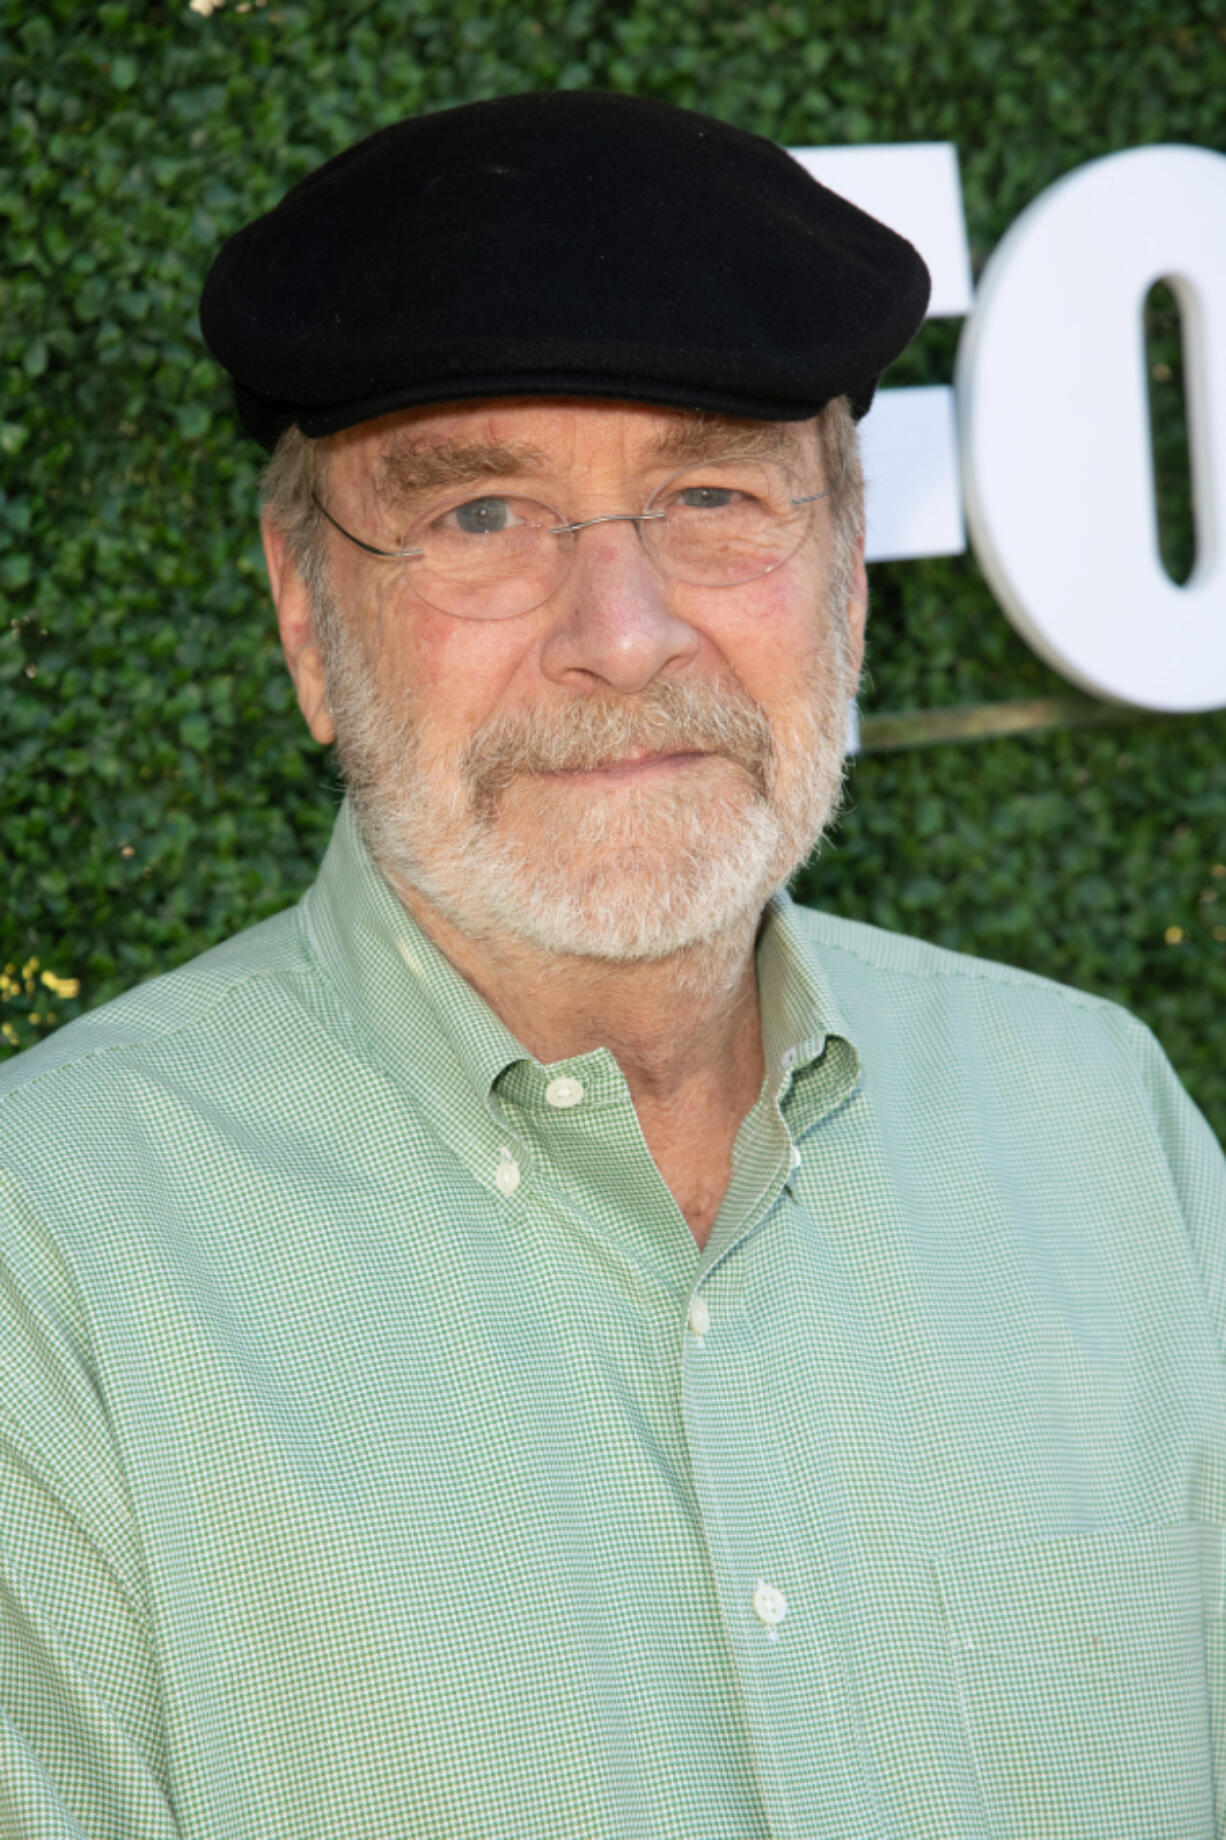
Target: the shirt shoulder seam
(945, 963)
(152, 1033)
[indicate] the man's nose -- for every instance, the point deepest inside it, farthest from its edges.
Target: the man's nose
(615, 620)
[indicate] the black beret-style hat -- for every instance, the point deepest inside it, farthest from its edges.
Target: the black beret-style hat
(571, 243)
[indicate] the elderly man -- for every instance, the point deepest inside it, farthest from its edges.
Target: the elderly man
(544, 1338)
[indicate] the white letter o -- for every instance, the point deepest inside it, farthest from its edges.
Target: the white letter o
(1054, 414)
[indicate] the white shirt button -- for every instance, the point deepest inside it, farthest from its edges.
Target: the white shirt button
(795, 1157)
(700, 1318)
(770, 1606)
(506, 1176)
(563, 1092)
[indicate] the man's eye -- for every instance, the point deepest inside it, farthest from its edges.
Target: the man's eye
(706, 498)
(482, 517)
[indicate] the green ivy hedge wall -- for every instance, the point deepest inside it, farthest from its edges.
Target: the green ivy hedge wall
(157, 790)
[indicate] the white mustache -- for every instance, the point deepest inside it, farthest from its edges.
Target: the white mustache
(599, 729)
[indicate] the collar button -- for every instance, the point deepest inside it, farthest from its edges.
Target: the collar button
(506, 1176)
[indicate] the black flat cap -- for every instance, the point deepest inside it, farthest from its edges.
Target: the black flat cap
(571, 243)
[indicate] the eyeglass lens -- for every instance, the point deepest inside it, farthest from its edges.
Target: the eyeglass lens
(717, 524)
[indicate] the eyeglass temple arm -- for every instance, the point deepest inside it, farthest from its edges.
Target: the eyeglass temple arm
(813, 497)
(392, 554)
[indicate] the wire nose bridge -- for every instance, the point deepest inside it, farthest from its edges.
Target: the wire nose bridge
(611, 517)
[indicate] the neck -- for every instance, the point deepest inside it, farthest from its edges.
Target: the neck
(661, 1019)
(685, 1031)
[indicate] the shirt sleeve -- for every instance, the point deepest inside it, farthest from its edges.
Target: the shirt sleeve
(82, 1752)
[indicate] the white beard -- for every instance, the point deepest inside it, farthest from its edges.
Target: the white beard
(619, 872)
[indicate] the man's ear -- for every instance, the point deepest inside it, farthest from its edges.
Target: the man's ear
(293, 605)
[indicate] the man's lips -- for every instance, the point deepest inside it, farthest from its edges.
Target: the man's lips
(633, 766)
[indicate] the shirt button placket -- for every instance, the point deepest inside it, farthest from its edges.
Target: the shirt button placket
(785, 1653)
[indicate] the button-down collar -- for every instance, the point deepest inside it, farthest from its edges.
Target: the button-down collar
(811, 1061)
(430, 1029)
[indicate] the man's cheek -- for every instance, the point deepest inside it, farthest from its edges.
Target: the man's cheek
(460, 671)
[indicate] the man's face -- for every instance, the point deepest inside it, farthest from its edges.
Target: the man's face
(623, 771)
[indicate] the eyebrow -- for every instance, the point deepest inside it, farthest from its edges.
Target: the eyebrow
(405, 472)
(703, 437)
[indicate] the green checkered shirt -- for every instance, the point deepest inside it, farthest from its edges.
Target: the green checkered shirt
(380, 1457)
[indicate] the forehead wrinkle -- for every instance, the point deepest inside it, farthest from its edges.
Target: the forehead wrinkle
(406, 471)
